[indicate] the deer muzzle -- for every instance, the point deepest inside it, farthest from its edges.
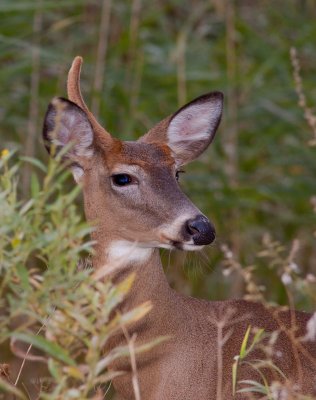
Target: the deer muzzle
(201, 230)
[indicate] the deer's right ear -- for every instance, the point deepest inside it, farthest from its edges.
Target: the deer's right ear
(66, 124)
(191, 129)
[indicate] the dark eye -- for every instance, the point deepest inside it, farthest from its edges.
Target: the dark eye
(178, 174)
(121, 179)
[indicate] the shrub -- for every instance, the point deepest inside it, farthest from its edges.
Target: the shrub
(48, 299)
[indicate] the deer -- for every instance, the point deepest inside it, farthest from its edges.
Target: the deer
(132, 196)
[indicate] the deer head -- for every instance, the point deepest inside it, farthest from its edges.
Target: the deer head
(131, 189)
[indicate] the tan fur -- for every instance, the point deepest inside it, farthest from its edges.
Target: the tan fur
(196, 362)
(74, 94)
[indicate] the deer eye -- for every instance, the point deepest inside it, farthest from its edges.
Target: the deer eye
(122, 179)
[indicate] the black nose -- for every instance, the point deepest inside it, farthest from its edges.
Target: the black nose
(201, 230)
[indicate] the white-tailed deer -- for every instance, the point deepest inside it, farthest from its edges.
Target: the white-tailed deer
(131, 193)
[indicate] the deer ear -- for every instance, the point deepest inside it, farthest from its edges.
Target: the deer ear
(66, 124)
(191, 129)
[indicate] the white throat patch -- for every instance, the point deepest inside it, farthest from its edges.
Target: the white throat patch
(121, 254)
(125, 252)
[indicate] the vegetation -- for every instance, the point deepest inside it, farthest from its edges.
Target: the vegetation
(50, 303)
(142, 61)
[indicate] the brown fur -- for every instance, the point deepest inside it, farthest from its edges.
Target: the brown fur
(195, 363)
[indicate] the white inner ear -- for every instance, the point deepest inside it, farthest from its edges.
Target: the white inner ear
(80, 132)
(77, 173)
(194, 123)
(73, 127)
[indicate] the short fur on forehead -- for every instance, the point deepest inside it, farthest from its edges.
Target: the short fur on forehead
(141, 154)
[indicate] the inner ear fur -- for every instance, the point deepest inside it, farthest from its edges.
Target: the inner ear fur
(190, 130)
(66, 124)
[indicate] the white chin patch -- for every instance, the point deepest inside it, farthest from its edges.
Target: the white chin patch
(124, 253)
(191, 247)
(166, 246)
(182, 246)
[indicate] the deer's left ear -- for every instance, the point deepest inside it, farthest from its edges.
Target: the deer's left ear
(191, 129)
(67, 125)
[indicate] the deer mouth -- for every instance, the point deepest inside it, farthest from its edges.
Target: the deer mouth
(177, 245)
(192, 247)
(187, 246)
(192, 234)
(180, 245)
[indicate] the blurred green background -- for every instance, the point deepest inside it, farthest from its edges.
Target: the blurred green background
(144, 59)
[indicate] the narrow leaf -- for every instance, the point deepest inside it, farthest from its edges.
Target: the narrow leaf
(35, 186)
(26, 207)
(23, 275)
(136, 314)
(35, 162)
(234, 374)
(243, 349)
(256, 339)
(52, 349)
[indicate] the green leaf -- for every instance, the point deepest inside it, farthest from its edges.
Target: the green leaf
(256, 339)
(35, 162)
(254, 387)
(23, 274)
(53, 369)
(35, 186)
(52, 349)
(124, 351)
(26, 207)
(243, 349)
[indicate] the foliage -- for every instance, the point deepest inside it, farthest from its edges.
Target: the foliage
(47, 301)
(142, 61)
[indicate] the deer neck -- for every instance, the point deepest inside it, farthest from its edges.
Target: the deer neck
(116, 259)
